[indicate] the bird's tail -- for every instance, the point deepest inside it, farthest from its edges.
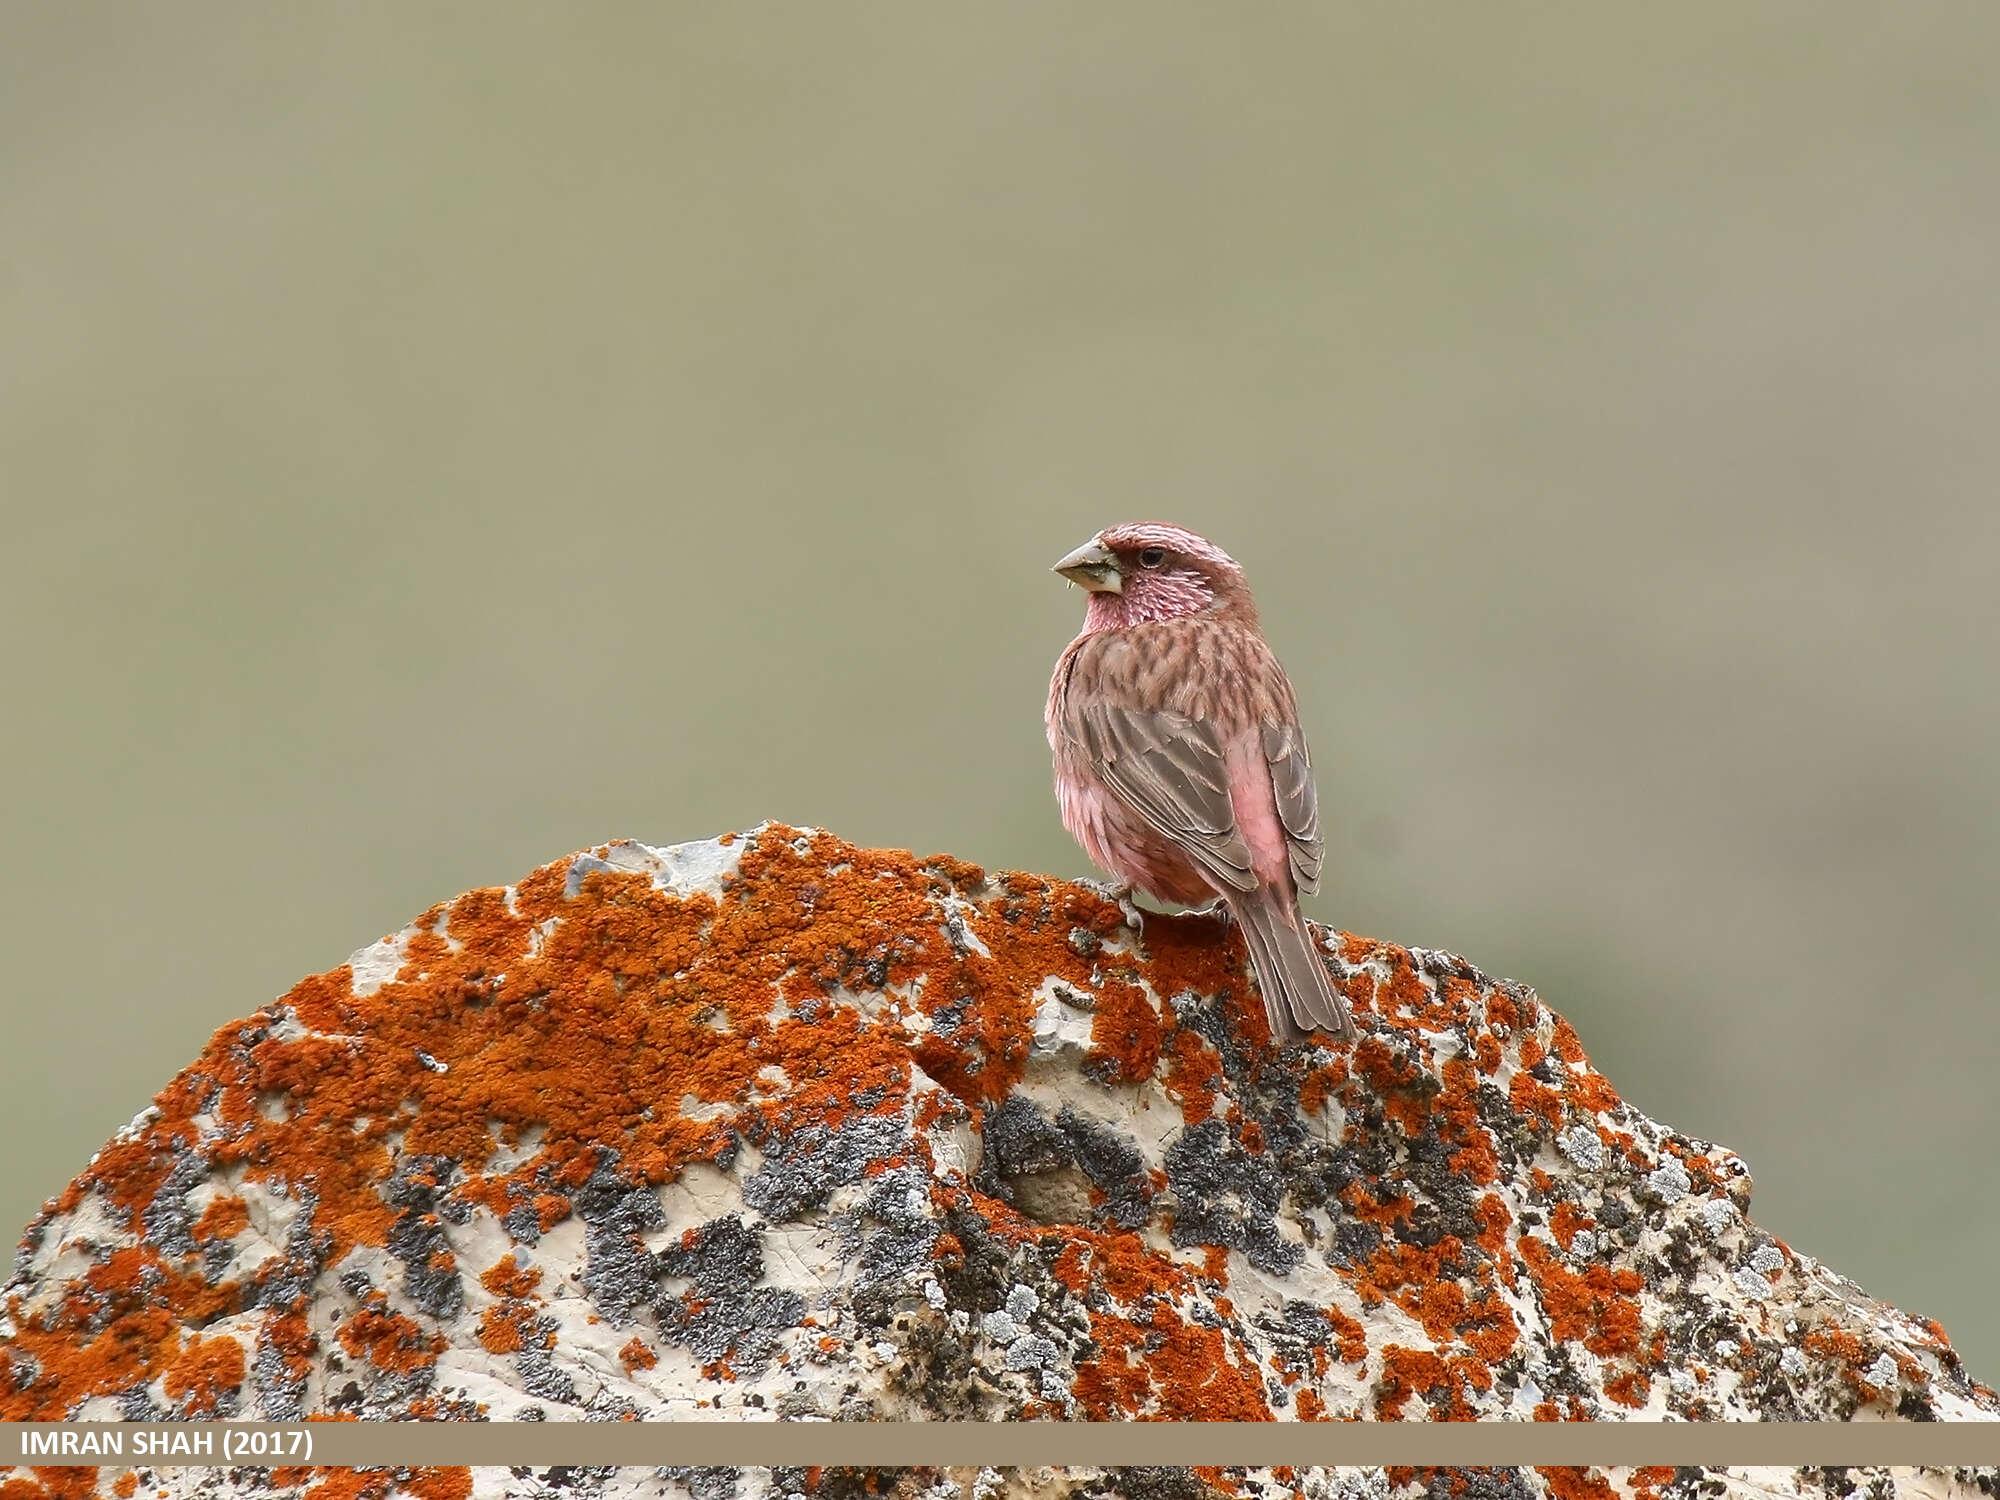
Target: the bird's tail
(1298, 995)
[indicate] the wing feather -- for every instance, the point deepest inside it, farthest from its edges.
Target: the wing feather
(1298, 803)
(1170, 770)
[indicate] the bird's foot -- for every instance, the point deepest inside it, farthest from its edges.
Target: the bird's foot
(1119, 891)
(1216, 910)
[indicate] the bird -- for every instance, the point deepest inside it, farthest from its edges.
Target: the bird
(1180, 766)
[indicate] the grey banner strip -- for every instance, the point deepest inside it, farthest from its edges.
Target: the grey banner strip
(1003, 1445)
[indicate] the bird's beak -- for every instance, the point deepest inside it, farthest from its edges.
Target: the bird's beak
(1095, 566)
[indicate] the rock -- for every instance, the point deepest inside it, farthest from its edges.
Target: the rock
(777, 1126)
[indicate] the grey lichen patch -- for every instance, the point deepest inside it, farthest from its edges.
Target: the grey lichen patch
(1224, 1195)
(895, 1228)
(1072, 1169)
(420, 1188)
(1669, 1182)
(1883, 1372)
(723, 1313)
(1581, 1145)
(620, 1273)
(802, 1169)
(1477, 1484)
(535, 1366)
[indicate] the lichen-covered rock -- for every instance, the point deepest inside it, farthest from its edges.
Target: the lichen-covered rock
(773, 1126)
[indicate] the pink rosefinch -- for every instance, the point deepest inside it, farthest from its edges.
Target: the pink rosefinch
(1180, 765)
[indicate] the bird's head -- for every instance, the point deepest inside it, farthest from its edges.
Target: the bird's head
(1146, 570)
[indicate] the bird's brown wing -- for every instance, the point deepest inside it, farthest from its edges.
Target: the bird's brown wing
(1170, 770)
(1298, 803)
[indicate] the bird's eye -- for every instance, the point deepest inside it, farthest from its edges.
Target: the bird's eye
(1152, 557)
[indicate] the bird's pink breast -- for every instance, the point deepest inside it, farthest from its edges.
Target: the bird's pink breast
(1122, 844)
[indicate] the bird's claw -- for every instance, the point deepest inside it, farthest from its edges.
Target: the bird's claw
(1119, 891)
(1216, 910)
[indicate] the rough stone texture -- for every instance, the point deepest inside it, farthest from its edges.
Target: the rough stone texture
(772, 1126)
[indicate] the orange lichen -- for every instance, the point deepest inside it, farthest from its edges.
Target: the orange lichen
(1440, 1306)
(294, 1342)
(1530, 1097)
(1352, 1338)
(1365, 1205)
(1385, 1067)
(390, 1341)
(1418, 1372)
(1166, 1369)
(500, 1329)
(1595, 1305)
(1565, 1042)
(1456, 1110)
(1577, 1483)
(1125, 1033)
(1494, 1220)
(1409, 1272)
(507, 1278)
(204, 1372)
(1119, 1263)
(439, 1484)
(52, 1484)
(1848, 1352)
(1566, 1221)
(635, 1356)
(1590, 1091)
(1404, 995)
(375, 1484)
(1322, 1084)
(960, 872)
(73, 1363)
(1357, 988)
(1200, 954)
(1628, 1389)
(223, 1219)
(1489, 1329)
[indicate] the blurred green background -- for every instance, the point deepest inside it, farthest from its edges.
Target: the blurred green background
(438, 437)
